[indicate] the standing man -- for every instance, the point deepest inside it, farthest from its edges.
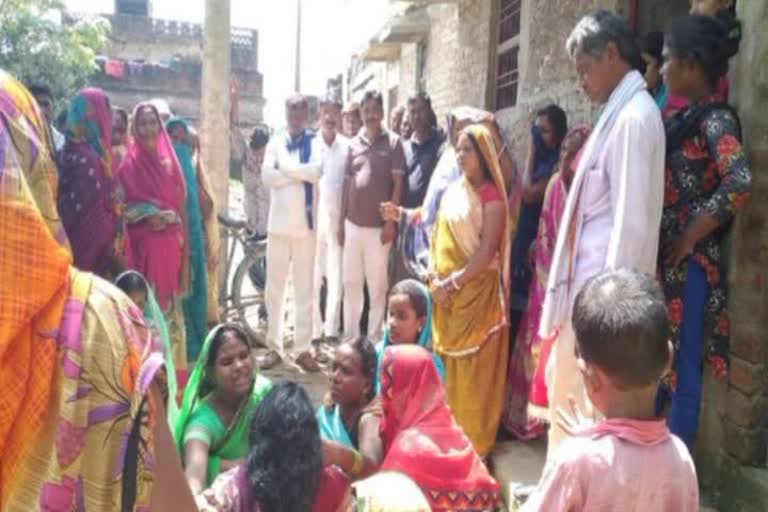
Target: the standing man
(334, 150)
(44, 98)
(374, 175)
(291, 170)
(396, 119)
(351, 119)
(613, 213)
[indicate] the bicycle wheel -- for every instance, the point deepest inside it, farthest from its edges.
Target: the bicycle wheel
(248, 300)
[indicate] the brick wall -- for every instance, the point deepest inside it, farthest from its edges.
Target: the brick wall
(746, 409)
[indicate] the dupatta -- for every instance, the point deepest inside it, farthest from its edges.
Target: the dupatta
(154, 185)
(89, 201)
(422, 440)
(31, 142)
(479, 309)
(195, 304)
(425, 340)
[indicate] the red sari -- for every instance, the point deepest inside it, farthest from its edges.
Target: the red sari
(421, 438)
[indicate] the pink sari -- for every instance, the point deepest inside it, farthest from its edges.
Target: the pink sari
(528, 344)
(154, 185)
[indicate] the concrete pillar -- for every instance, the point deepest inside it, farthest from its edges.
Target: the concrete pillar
(215, 111)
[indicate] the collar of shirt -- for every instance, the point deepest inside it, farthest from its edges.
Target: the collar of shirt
(383, 134)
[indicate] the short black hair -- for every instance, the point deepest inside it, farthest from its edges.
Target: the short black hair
(709, 42)
(39, 89)
(594, 32)
(415, 292)
(284, 462)
(423, 96)
(373, 95)
(557, 119)
(130, 282)
(621, 326)
(259, 138)
(653, 45)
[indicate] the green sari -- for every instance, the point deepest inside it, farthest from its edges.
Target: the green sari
(198, 420)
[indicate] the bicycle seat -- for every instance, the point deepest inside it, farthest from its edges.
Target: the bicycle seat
(231, 223)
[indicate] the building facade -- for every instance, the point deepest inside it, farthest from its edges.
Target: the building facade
(508, 57)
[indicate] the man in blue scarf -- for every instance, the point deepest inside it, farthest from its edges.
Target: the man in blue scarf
(292, 167)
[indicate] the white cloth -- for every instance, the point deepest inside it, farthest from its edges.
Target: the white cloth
(285, 175)
(614, 208)
(58, 139)
(331, 184)
(328, 261)
(295, 254)
(366, 260)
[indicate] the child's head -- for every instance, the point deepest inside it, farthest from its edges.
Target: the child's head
(134, 286)
(408, 309)
(622, 335)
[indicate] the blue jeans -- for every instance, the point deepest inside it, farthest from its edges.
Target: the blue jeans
(685, 401)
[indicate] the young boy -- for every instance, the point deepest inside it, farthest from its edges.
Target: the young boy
(629, 461)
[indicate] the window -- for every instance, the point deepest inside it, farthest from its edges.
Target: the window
(133, 7)
(421, 65)
(507, 53)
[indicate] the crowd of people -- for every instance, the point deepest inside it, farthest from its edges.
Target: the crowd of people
(576, 296)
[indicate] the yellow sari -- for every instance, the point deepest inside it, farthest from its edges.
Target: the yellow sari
(471, 334)
(76, 361)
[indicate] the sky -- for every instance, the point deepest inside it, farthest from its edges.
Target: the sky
(332, 30)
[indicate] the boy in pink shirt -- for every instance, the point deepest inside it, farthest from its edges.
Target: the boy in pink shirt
(629, 461)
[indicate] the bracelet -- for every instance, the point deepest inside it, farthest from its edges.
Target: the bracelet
(357, 465)
(454, 283)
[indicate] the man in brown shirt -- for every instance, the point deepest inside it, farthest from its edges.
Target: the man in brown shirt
(375, 170)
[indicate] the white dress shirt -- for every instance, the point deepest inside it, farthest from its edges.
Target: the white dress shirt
(334, 159)
(285, 175)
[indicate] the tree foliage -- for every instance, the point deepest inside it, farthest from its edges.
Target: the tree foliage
(41, 42)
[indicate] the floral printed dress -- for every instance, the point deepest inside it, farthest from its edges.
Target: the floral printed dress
(707, 174)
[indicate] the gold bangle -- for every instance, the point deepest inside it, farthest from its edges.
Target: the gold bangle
(357, 465)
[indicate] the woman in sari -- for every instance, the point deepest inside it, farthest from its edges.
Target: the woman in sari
(211, 431)
(469, 259)
(138, 290)
(198, 206)
(90, 200)
(349, 419)
(81, 379)
(517, 417)
(421, 438)
(155, 214)
(120, 140)
(285, 468)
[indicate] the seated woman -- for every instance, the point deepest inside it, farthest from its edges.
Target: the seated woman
(284, 468)
(223, 390)
(409, 321)
(422, 440)
(349, 420)
(138, 290)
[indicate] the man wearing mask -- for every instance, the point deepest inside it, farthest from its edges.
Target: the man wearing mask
(291, 169)
(374, 175)
(334, 150)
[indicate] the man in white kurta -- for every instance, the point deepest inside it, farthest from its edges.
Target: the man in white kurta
(334, 149)
(613, 215)
(291, 169)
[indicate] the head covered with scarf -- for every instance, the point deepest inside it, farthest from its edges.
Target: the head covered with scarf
(421, 438)
(90, 120)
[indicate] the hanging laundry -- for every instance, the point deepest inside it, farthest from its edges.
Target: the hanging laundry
(115, 68)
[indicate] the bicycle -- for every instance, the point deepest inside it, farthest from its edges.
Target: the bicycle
(242, 299)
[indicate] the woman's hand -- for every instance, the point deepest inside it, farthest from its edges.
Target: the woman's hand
(330, 453)
(442, 289)
(679, 249)
(572, 420)
(158, 222)
(390, 212)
